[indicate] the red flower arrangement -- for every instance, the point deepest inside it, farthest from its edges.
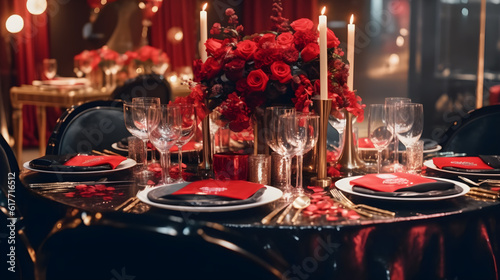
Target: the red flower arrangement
(278, 67)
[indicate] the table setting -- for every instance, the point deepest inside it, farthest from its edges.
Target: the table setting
(286, 189)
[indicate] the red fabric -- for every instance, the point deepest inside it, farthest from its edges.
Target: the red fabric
(183, 14)
(231, 189)
(31, 47)
(113, 161)
(256, 14)
(389, 182)
(461, 162)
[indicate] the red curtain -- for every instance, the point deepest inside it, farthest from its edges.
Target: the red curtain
(256, 13)
(182, 14)
(30, 48)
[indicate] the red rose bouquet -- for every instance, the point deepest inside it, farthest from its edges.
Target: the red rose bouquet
(242, 75)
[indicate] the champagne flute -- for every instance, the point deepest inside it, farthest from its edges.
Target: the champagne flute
(301, 131)
(379, 132)
(188, 129)
(271, 132)
(392, 102)
(409, 122)
(49, 68)
(164, 129)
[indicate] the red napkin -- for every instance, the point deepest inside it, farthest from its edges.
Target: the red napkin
(389, 182)
(233, 189)
(82, 160)
(461, 162)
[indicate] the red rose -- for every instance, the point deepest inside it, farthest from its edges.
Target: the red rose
(234, 69)
(303, 38)
(267, 39)
(210, 68)
(302, 24)
(216, 29)
(285, 39)
(257, 80)
(281, 72)
(310, 52)
(213, 45)
(332, 40)
(245, 49)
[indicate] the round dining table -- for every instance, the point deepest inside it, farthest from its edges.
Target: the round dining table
(455, 238)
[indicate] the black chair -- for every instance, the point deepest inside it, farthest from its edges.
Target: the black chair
(17, 263)
(477, 133)
(130, 246)
(95, 125)
(150, 85)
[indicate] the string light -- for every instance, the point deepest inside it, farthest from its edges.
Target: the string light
(36, 7)
(14, 23)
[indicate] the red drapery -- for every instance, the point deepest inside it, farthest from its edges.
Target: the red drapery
(182, 14)
(30, 48)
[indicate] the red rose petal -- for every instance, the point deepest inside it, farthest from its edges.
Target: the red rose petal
(70, 194)
(110, 188)
(107, 197)
(331, 218)
(120, 193)
(100, 187)
(312, 208)
(81, 187)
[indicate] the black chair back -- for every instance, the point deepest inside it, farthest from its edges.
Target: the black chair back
(150, 85)
(91, 126)
(477, 133)
(131, 246)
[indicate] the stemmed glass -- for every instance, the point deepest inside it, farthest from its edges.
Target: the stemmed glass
(188, 129)
(164, 129)
(301, 131)
(49, 68)
(379, 132)
(409, 120)
(147, 102)
(271, 132)
(391, 102)
(135, 116)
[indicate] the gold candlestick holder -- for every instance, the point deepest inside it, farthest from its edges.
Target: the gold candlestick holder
(322, 108)
(349, 162)
(205, 166)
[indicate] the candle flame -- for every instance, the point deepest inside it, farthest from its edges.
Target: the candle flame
(205, 6)
(323, 10)
(352, 18)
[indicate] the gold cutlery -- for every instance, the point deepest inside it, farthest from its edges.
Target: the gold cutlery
(300, 203)
(365, 210)
(271, 215)
(283, 215)
(487, 181)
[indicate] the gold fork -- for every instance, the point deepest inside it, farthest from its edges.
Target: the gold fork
(342, 199)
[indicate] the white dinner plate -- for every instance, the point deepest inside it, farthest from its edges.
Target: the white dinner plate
(126, 164)
(430, 164)
(345, 186)
(271, 194)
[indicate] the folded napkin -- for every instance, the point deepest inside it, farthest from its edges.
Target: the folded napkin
(479, 164)
(403, 184)
(208, 193)
(73, 162)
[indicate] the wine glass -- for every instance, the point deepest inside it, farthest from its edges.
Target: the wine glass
(301, 131)
(164, 129)
(49, 68)
(135, 116)
(77, 68)
(271, 132)
(409, 122)
(379, 132)
(147, 102)
(391, 102)
(188, 129)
